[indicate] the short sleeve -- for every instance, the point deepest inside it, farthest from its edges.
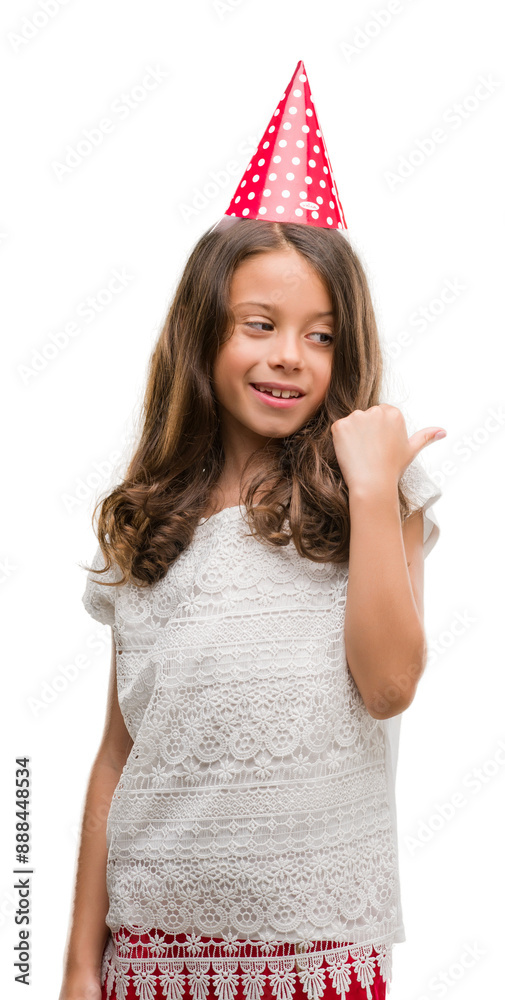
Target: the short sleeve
(99, 601)
(422, 492)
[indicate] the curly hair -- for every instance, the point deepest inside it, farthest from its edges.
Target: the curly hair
(149, 518)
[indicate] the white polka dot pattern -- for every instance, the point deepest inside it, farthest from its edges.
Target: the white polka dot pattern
(300, 187)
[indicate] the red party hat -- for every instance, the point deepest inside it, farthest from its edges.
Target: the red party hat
(290, 178)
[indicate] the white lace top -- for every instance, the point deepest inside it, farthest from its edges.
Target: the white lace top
(257, 803)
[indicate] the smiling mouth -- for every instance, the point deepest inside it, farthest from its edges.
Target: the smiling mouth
(275, 402)
(278, 393)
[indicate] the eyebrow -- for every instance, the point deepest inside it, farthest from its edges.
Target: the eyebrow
(271, 305)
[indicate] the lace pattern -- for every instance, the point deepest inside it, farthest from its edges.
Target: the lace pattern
(257, 802)
(422, 492)
(153, 961)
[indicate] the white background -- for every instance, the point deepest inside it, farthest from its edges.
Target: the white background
(380, 91)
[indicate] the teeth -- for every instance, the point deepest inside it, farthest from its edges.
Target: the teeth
(285, 393)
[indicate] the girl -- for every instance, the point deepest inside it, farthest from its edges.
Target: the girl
(261, 567)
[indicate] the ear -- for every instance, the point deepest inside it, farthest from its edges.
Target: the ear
(412, 529)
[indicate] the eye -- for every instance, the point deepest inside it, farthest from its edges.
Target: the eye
(320, 333)
(316, 333)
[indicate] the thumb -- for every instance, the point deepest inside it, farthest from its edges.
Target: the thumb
(421, 439)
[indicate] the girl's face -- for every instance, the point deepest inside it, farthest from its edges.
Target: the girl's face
(283, 334)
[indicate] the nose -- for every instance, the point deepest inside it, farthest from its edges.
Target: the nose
(286, 350)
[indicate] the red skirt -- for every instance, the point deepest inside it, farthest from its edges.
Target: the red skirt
(160, 966)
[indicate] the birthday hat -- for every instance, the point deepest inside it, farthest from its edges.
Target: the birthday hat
(290, 178)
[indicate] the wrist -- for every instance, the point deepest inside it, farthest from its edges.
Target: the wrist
(375, 491)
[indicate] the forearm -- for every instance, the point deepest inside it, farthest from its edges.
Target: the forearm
(88, 931)
(384, 635)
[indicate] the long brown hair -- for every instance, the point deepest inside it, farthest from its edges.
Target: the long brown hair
(149, 518)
